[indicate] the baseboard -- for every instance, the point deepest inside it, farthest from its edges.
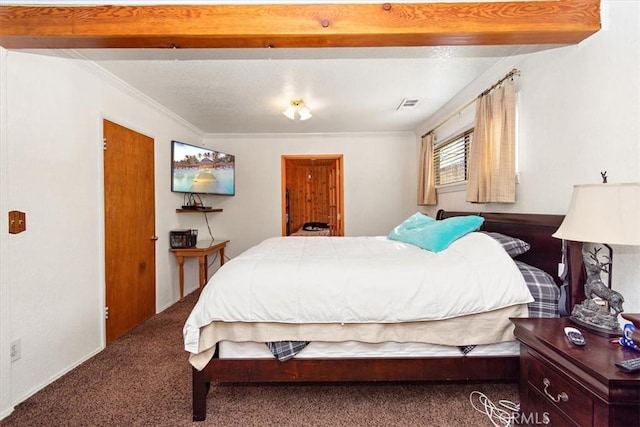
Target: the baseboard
(4, 414)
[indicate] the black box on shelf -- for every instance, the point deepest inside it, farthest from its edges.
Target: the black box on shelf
(183, 238)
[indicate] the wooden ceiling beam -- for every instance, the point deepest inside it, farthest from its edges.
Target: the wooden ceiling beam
(299, 25)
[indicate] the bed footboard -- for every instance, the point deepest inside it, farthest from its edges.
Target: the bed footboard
(440, 369)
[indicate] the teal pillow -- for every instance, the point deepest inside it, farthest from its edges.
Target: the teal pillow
(436, 236)
(414, 222)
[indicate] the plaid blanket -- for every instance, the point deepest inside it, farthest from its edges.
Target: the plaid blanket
(285, 350)
(543, 288)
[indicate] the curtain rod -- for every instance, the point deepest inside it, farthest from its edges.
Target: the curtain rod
(514, 72)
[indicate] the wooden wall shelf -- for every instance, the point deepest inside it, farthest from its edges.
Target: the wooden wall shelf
(198, 210)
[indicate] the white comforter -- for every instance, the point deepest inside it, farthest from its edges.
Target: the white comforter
(357, 280)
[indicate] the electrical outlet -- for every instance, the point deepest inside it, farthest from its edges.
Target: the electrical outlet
(16, 350)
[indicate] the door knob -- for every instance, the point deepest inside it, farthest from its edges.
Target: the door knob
(154, 237)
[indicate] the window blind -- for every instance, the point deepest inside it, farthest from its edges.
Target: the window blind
(450, 159)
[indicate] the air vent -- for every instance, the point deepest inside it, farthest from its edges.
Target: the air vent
(408, 104)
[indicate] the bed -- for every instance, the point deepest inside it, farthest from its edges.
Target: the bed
(330, 348)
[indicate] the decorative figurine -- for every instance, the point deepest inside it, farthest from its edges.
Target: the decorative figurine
(602, 304)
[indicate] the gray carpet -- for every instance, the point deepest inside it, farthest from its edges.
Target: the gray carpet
(144, 379)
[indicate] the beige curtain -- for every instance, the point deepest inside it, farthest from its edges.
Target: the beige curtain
(426, 174)
(492, 159)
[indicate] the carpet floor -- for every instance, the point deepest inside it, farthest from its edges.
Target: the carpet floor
(144, 379)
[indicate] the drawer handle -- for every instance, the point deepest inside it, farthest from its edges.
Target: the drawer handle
(562, 396)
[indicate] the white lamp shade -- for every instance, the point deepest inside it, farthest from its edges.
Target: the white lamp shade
(304, 113)
(290, 112)
(603, 213)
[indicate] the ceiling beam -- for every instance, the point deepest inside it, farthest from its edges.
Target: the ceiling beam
(299, 25)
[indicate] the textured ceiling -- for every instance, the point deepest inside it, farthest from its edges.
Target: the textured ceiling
(347, 89)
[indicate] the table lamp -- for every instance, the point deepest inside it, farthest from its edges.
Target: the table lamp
(601, 214)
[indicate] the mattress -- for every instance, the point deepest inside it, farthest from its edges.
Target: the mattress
(351, 349)
(477, 329)
(541, 285)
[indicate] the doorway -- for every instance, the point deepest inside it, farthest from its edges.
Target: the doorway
(129, 212)
(312, 191)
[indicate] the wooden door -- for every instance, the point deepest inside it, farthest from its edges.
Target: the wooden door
(312, 191)
(129, 204)
(335, 197)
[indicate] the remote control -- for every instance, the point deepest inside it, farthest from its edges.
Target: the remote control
(629, 365)
(575, 336)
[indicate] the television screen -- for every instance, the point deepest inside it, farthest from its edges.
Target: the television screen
(201, 170)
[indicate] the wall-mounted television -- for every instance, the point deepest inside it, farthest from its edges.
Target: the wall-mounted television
(201, 170)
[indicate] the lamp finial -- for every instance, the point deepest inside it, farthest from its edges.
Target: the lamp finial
(604, 177)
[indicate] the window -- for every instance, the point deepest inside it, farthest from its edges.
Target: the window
(450, 159)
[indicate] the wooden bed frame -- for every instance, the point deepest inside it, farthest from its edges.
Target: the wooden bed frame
(545, 253)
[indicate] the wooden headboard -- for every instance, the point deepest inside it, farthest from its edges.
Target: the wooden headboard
(535, 229)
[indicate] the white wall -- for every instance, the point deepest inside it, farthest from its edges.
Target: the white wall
(579, 114)
(52, 288)
(379, 182)
(5, 289)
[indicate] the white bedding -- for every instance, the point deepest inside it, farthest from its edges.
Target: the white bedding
(357, 280)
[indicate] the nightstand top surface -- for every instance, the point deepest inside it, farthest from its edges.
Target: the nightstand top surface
(597, 357)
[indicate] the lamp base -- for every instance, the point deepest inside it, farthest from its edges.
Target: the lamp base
(596, 318)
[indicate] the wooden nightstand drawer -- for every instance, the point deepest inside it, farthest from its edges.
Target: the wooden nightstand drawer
(560, 392)
(540, 412)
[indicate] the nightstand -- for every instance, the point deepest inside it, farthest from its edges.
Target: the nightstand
(574, 386)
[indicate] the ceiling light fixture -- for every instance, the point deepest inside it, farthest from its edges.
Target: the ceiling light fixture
(297, 109)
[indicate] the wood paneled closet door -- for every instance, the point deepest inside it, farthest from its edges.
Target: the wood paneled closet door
(129, 203)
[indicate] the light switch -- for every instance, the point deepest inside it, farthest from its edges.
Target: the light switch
(17, 222)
